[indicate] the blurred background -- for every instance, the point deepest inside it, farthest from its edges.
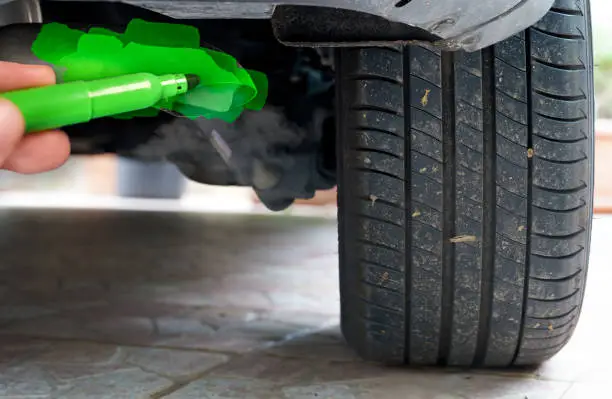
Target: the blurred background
(111, 181)
(602, 31)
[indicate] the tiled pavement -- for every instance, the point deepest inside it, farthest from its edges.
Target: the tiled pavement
(121, 304)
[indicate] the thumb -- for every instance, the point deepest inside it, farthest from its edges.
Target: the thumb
(11, 128)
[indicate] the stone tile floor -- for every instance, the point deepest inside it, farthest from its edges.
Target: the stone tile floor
(125, 304)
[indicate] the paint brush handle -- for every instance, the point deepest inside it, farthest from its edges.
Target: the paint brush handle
(54, 106)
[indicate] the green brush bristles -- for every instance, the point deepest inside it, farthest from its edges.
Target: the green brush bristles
(225, 88)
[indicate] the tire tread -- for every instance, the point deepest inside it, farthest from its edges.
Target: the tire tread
(466, 196)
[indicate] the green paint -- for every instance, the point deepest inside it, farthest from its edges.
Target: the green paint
(225, 89)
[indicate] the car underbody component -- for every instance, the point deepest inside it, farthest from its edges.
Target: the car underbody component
(291, 155)
(447, 24)
(284, 152)
(451, 24)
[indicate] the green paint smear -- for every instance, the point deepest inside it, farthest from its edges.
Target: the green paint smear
(225, 89)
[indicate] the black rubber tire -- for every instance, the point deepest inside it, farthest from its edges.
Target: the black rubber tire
(465, 242)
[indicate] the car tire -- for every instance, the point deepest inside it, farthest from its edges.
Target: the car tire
(465, 196)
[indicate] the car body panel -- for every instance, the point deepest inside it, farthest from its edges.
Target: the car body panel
(459, 24)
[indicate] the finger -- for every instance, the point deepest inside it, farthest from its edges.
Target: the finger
(39, 152)
(11, 128)
(20, 76)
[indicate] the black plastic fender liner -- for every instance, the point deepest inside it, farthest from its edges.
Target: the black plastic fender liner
(448, 24)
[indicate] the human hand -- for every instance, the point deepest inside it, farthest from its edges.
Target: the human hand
(34, 153)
